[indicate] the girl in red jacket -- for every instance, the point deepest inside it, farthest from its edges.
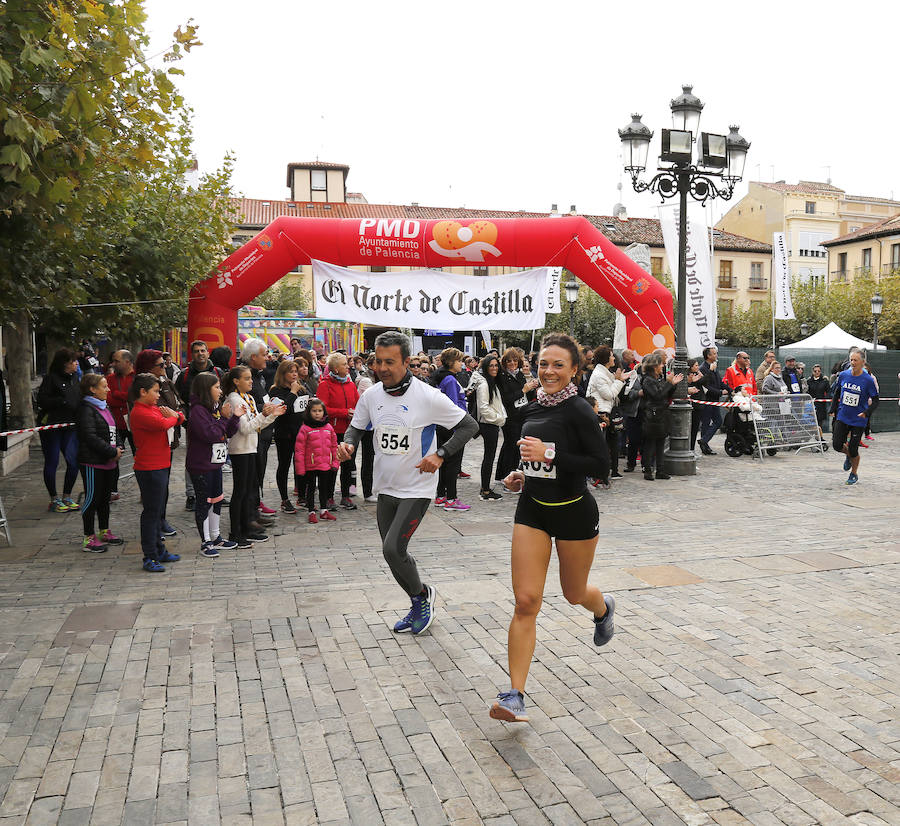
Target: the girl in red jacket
(151, 427)
(315, 458)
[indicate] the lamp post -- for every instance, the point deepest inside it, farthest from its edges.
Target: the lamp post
(571, 297)
(804, 329)
(718, 167)
(877, 307)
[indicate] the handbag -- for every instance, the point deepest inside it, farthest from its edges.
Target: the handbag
(616, 419)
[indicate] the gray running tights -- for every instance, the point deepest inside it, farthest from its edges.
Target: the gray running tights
(397, 522)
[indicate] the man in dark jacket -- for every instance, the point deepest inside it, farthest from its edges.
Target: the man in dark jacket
(253, 354)
(710, 417)
(200, 363)
(793, 377)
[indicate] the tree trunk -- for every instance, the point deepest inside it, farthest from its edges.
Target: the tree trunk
(19, 359)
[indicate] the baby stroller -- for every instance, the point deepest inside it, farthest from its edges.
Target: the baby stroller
(740, 435)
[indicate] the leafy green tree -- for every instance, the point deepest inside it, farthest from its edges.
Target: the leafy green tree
(85, 119)
(285, 296)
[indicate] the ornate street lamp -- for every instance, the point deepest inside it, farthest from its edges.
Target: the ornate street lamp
(877, 307)
(571, 297)
(718, 167)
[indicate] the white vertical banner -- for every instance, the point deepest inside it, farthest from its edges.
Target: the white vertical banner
(620, 334)
(702, 312)
(486, 338)
(784, 307)
(554, 276)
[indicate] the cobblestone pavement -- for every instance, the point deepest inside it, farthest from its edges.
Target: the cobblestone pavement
(753, 678)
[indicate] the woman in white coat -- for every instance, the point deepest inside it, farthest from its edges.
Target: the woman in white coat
(491, 417)
(606, 382)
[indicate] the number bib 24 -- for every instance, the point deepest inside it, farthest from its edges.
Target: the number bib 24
(392, 440)
(219, 453)
(539, 470)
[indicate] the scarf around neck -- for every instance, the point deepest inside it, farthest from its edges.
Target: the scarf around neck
(341, 379)
(100, 404)
(402, 387)
(553, 399)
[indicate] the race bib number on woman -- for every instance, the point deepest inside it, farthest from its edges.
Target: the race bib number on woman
(521, 402)
(393, 440)
(539, 470)
(219, 453)
(300, 403)
(850, 399)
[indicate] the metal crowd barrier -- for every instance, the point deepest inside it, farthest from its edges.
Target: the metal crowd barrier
(787, 421)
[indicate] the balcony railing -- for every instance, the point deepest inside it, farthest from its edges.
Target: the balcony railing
(727, 282)
(890, 270)
(838, 276)
(758, 283)
(862, 272)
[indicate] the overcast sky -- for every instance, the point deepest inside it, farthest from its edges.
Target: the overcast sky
(515, 105)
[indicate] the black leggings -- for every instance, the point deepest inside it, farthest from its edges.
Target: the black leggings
(244, 494)
(325, 480)
(348, 469)
(490, 434)
(368, 461)
(97, 488)
(207, 486)
(612, 443)
(448, 473)
(509, 452)
(123, 435)
(397, 522)
(284, 448)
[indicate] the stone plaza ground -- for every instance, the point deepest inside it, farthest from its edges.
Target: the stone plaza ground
(753, 678)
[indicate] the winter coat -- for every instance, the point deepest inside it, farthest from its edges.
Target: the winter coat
(490, 411)
(186, 378)
(604, 387)
(204, 429)
(774, 386)
(449, 385)
(117, 398)
(58, 398)
(315, 449)
(246, 438)
(657, 395)
(511, 392)
(287, 425)
(96, 439)
(339, 399)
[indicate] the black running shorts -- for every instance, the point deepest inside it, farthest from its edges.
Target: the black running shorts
(573, 520)
(839, 433)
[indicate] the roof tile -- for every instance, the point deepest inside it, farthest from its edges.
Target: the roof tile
(259, 213)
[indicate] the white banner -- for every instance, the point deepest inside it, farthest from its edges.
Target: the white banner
(781, 278)
(702, 314)
(486, 338)
(431, 299)
(554, 276)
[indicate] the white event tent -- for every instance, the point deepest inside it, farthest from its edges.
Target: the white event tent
(830, 337)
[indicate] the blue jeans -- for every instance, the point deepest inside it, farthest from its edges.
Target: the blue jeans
(154, 485)
(53, 442)
(710, 422)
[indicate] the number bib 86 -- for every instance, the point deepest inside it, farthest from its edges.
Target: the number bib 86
(392, 440)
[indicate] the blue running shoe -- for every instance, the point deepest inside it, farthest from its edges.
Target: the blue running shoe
(167, 557)
(401, 626)
(166, 529)
(223, 544)
(604, 627)
(209, 550)
(509, 707)
(852, 479)
(423, 611)
(153, 566)
(847, 463)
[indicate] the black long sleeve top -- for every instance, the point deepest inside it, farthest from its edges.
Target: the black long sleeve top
(572, 429)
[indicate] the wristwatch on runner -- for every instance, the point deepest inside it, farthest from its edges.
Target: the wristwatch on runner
(549, 454)
(440, 452)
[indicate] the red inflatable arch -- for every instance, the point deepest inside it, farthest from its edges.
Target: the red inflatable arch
(573, 243)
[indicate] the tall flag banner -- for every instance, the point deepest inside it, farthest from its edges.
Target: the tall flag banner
(784, 307)
(702, 314)
(554, 276)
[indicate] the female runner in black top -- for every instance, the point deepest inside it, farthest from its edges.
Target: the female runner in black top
(561, 445)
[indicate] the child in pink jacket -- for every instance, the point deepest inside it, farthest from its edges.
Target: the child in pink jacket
(315, 457)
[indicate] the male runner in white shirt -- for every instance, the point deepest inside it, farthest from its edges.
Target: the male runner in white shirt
(404, 413)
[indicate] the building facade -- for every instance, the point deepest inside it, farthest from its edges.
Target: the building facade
(741, 265)
(872, 250)
(810, 213)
